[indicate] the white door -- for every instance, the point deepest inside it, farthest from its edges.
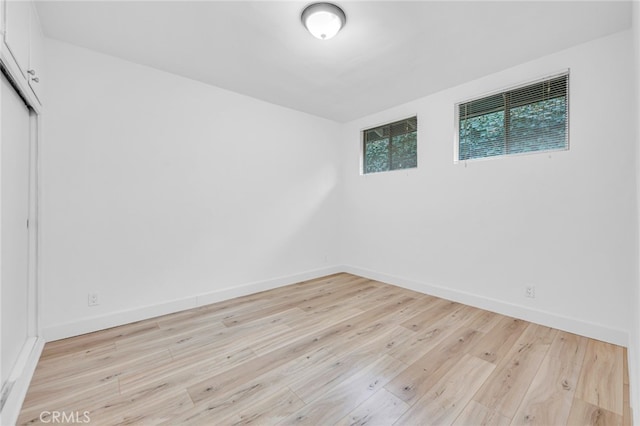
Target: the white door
(14, 291)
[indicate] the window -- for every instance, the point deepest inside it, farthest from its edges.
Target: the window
(391, 147)
(525, 119)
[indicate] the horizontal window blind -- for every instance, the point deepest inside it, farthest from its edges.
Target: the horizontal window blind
(525, 119)
(391, 146)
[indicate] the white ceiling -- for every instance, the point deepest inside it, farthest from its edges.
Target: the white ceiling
(388, 53)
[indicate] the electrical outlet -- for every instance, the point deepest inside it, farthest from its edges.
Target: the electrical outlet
(530, 291)
(93, 299)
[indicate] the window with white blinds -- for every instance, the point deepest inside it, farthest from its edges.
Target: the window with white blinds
(525, 119)
(392, 146)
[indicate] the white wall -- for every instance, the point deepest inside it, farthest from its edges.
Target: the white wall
(480, 232)
(157, 189)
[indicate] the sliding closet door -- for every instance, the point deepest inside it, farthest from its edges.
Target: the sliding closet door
(14, 294)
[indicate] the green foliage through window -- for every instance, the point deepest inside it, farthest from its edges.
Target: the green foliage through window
(526, 119)
(391, 147)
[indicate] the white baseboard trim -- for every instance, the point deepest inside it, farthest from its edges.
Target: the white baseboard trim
(102, 322)
(572, 325)
(21, 376)
(91, 324)
(258, 286)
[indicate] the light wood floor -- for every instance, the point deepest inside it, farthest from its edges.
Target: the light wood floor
(336, 350)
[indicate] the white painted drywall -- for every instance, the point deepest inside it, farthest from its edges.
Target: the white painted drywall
(157, 188)
(564, 222)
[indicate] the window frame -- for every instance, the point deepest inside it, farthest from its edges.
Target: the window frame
(456, 122)
(362, 133)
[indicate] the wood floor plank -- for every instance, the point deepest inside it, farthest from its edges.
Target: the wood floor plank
(379, 338)
(439, 308)
(268, 411)
(300, 298)
(426, 339)
(423, 374)
(184, 372)
(337, 349)
(625, 366)
(93, 340)
(499, 340)
(585, 414)
(96, 376)
(283, 355)
(53, 368)
(447, 398)
(626, 413)
(550, 395)
(347, 395)
(569, 347)
(303, 327)
(38, 411)
(382, 408)
(228, 340)
(228, 309)
(312, 384)
(355, 289)
(477, 414)
(601, 382)
(366, 300)
(168, 337)
(151, 406)
(504, 389)
(236, 397)
(485, 321)
(68, 360)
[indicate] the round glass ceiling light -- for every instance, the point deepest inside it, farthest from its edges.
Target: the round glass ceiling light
(323, 20)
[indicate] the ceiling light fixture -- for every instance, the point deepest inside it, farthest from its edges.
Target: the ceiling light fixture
(323, 20)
